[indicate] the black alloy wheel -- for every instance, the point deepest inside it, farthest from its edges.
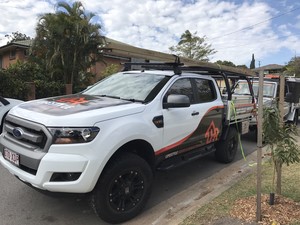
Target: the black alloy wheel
(126, 190)
(123, 189)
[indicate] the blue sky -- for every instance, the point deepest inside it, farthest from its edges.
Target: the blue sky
(269, 29)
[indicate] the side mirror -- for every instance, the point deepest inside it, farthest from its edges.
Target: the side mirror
(177, 101)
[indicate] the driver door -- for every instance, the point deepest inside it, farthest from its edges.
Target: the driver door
(186, 128)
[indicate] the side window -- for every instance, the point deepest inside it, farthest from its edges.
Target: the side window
(206, 91)
(182, 87)
(286, 90)
(242, 88)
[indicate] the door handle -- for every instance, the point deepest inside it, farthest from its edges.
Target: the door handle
(195, 113)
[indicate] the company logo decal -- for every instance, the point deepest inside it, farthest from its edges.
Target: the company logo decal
(73, 101)
(212, 133)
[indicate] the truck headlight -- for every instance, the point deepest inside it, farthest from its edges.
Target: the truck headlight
(73, 135)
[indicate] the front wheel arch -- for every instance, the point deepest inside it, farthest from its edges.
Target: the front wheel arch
(139, 147)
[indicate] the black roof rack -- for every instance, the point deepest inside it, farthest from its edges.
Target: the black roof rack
(178, 67)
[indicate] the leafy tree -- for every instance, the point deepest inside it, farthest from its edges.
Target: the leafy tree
(193, 47)
(14, 81)
(282, 142)
(242, 66)
(66, 43)
(229, 63)
(293, 67)
(110, 69)
(226, 63)
(16, 36)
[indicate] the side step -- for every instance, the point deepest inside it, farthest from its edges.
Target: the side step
(184, 158)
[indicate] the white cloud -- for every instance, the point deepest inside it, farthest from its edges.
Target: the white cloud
(158, 24)
(146, 25)
(21, 16)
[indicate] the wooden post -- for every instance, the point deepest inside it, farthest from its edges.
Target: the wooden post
(31, 90)
(69, 89)
(281, 98)
(259, 145)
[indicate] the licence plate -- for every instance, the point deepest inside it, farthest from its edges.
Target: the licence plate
(11, 156)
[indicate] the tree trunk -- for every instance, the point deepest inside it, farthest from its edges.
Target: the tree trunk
(278, 167)
(31, 91)
(69, 89)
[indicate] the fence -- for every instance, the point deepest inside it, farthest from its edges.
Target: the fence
(31, 95)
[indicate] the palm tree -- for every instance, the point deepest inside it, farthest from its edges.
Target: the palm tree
(68, 42)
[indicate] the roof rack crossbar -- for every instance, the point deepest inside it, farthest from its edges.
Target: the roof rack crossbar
(175, 66)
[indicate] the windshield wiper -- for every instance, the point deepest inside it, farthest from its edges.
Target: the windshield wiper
(126, 99)
(110, 96)
(133, 100)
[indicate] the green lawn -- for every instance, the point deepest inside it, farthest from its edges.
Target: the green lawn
(221, 206)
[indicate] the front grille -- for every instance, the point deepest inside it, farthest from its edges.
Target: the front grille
(34, 136)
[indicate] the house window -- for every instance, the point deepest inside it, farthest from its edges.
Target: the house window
(12, 54)
(26, 52)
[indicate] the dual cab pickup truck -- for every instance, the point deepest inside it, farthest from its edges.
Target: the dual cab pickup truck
(109, 139)
(271, 88)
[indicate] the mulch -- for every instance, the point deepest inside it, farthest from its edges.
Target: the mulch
(283, 212)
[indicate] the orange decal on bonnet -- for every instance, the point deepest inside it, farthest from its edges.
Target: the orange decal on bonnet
(212, 133)
(73, 101)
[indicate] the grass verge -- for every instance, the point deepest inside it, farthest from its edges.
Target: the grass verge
(221, 206)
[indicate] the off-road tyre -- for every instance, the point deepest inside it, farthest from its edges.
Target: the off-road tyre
(226, 149)
(123, 189)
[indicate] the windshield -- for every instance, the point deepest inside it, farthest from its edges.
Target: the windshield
(242, 88)
(141, 86)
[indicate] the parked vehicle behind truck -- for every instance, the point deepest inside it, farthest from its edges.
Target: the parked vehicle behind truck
(5, 105)
(271, 88)
(111, 138)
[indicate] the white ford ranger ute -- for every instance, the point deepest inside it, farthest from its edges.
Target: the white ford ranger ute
(109, 140)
